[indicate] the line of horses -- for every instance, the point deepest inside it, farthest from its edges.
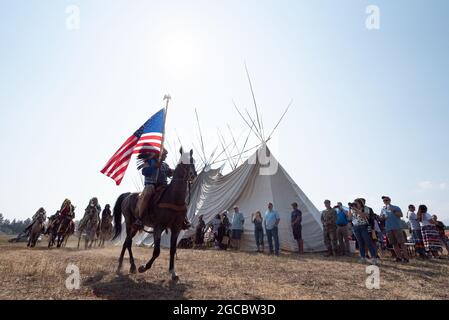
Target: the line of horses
(95, 231)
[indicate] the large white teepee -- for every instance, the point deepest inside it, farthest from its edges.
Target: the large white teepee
(250, 187)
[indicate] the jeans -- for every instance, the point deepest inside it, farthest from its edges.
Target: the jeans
(273, 233)
(364, 239)
(258, 233)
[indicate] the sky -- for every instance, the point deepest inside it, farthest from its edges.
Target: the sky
(369, 109)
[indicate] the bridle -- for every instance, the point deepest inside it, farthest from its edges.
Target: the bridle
(188, 175)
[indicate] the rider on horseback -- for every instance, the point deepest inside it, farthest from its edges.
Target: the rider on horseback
(39, 215)
(156, 175)
(93, 208)
(67, 210)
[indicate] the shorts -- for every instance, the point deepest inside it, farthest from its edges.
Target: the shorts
(396, 237)
(297, 232)
(236, 234)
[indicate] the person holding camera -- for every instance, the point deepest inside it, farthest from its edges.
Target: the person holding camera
(342, 230)
(257, 219)
(329, 221)
(360, 215)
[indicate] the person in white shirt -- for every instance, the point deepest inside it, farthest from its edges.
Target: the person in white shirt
(430, 235)
(416, 232)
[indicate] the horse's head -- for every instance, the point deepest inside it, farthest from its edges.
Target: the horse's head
(185, 170)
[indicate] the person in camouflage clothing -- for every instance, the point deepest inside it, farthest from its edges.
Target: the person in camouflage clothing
(329, 221)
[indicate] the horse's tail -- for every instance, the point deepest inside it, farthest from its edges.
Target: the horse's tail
(118, 215)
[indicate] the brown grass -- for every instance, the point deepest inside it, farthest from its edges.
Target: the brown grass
(39, 273)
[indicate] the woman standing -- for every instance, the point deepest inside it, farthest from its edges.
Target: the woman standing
(360, 217)
(257, 219)
(430, 235)
(416, 232)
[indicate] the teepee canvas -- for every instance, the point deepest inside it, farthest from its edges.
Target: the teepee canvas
(250, 187)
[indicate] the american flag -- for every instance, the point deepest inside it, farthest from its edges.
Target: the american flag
(147, 139)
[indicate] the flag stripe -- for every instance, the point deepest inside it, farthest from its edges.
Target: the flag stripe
(147, 139)
(129, 144)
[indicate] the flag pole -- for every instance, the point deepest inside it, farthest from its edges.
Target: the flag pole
(167, 99)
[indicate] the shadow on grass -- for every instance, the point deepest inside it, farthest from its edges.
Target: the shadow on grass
(130, 287)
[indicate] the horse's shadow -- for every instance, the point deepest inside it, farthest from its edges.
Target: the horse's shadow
(132, 287)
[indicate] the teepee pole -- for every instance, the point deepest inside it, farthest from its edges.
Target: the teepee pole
(277, 124)
(249, 126)
(255, 103)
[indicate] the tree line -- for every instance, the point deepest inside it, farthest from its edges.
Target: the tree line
(14, 226)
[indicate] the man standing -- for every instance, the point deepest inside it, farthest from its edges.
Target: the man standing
(342, 230)
(237, 227)
(296, 220)
(392, 216)
(329, 221)
(271, 228)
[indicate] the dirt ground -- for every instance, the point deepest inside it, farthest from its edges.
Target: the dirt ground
(40, 273)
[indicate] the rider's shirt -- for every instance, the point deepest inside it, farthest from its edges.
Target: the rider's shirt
(151, 173)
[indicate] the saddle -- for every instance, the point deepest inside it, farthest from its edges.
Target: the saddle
(157, 195)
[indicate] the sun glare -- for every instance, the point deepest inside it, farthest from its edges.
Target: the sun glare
(179, 55)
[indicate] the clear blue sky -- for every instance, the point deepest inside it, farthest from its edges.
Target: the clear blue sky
(370, 108)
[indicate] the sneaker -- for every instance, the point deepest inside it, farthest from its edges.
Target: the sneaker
(362, 260)
(374, 261)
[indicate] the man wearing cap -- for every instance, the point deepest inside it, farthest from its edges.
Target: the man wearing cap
(155, 174)
(329, 221)
(296, 219)
(392, 216)
(237, 227)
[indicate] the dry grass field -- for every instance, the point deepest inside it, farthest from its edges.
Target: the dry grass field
(40, 273)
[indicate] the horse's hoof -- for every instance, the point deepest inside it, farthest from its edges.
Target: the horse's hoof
(132, 269)
(174, 278)
(142, 269)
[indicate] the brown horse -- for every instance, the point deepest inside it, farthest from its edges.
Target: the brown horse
(60, 231)
(105, 230)
(168, 213)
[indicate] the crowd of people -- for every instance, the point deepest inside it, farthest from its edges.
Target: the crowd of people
(344, 230)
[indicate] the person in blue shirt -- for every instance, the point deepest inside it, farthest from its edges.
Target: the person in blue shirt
(237, 227)
(271, 222)
(392, 216)
(342, 230)
(155, 175)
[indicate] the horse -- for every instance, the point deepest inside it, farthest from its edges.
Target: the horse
(89, 225)
(36, 230)
(166, 213)
(105, 230)
(60, 231)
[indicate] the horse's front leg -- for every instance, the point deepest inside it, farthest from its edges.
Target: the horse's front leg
(156, 251)
(173, 244)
